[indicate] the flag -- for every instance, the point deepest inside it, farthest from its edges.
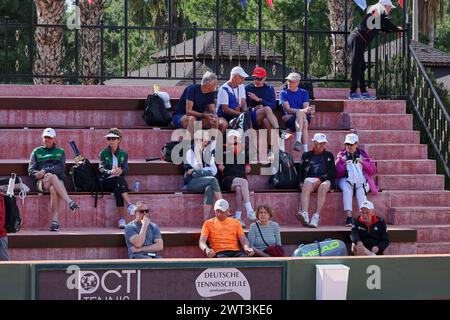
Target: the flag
(90, 1)
(270, 4)
(361, 3)
(243, 4)
(400, 2)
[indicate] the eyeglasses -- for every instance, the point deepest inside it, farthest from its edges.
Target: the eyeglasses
(258, 79)
(111, 138)
(143, 210)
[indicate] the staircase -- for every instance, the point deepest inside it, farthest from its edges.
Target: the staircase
(412, 197)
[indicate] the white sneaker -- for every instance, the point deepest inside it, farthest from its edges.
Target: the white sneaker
(122, 223)
(285, 135)
(314, 221)
(251, 215)
(130, 209)
(303, 217)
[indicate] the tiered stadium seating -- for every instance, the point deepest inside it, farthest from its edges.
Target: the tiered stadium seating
(413, 199)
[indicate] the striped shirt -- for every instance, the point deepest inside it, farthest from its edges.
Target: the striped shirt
(270, 232)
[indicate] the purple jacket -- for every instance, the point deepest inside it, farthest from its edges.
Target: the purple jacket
(368, 165)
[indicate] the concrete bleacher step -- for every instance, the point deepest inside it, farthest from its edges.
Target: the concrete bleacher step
(432, 233)
(178, 209)
(368, 121)
(425, 198)
(390, 151)
(179, 242)
(433, 248)
(391, 136)
(375, 106)
(411, 182)
(406, 167)
(419, 215)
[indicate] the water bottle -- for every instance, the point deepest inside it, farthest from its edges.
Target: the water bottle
(137, 186)
(11, 183)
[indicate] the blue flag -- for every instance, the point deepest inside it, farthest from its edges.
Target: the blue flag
(243, 4)
(361, 3)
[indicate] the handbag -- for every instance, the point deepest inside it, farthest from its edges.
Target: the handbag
(273, 251)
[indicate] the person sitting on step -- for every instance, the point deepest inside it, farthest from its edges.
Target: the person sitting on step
(47, 165)
(113, 168)
(317, 173)
(355, 173)
(234, 171)
(268, 233)
(297, 111)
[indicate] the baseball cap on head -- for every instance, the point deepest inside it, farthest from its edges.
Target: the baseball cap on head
(320, 138)
(239, 71)
(386, 3)
(294, 76)
(259, 72)
(367, 204)
(114, 133)
(351, 138)
(166, 98)
(49, 132)
(221, 205)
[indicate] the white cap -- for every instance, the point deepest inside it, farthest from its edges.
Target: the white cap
(112, 135)
(166, 98)
(351, 138)
(234, 133)
(239, 71)
(367, 204)
(221, 205)
(294, 76)
(320, 137)
(386, 3)
(49, 132)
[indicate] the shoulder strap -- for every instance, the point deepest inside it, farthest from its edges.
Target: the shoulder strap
(259, 229)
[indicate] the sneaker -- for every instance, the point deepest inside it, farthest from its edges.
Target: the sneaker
(73, 206)
(130, 209)
(367, 96)
(355, 96)
(54, 226)
(349, 221)
(314, 221)
(251, 215)
(303, 218)
(122, 223)
(285, 135)
(298, 146)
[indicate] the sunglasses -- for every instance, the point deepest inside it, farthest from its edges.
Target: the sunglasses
(350, 145)
(110, 138)
(258, 79)
(143, 211)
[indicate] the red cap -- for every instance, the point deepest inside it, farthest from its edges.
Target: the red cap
(259, 72)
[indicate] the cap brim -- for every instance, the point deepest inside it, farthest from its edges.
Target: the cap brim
(112, 135)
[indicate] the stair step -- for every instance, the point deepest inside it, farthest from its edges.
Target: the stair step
(406, 167)
(419, 215)
(394, 151)
(369, 121)
(391, 136)
(432, 233)
(411, 182)
(402, 198)
(433, 248)
(376, 106)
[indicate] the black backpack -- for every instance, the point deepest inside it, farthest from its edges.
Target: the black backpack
(166, 151)
(241, 122)
(155, 113)
(286, 177)
(13, 221)
(83, 177)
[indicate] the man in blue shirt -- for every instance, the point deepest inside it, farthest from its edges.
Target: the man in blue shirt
(197, 104)
(143, 237)
(297, 111)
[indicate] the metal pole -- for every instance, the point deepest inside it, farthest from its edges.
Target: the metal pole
(102, 71)
(346, 38)
(126, 40)
(305, 41)
(259, 32)
(217, 66)
(6, 48)
(77, 49)
(30, 39)
(283, 49)
(194, 51)
(415, 15)
(169, 45)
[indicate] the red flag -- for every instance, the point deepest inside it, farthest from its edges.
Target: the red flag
(270, 4)
(400, 2)
(90, 1)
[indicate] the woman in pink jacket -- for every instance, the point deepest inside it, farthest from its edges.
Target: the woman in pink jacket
(355, 172)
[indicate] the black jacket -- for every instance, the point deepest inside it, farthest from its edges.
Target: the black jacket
(368, 31)
(330, 167)
(375, 235)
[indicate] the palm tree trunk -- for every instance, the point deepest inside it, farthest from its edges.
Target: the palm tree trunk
(91, 15)
(336, 16)
(48, 41)
(429, 12)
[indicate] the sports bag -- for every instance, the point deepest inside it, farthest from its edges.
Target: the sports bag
(13, 220)
(286, 177)
(155, 112)
(166, 151)
(328, 247)
(241, 122)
